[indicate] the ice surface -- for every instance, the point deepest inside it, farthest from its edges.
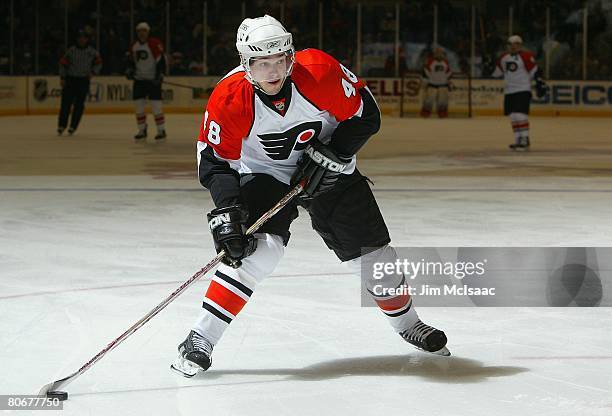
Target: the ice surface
(82, 258)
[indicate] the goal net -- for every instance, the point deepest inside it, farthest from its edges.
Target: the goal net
(415, 94)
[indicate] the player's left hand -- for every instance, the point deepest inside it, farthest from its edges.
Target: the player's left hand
(541, 88)
(320, 167)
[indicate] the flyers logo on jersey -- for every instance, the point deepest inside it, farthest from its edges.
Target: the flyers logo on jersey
(511, 66)
(141, 55)
(278, 146)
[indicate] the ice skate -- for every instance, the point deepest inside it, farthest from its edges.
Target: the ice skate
(161, 135)
(523, 144)
(194, 355)
(142, 134)
(426, 338)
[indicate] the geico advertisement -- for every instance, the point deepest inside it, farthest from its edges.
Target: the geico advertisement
(578, 93)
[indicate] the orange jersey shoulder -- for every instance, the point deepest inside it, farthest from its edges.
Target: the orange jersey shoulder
(229, 115)
(326, 83)
(529, 60)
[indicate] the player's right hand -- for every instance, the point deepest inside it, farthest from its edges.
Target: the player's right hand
(129, 74)
(228, 226)
(541, 88)
(320, 167)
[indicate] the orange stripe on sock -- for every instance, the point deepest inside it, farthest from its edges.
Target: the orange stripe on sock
(393, 303)
(225, 298)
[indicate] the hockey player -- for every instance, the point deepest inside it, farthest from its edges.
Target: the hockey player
(280, 118)
(147, 66)
(78, 64)
(437, 81)
(518, 67)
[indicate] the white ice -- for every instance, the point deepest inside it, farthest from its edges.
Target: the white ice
(79, 266)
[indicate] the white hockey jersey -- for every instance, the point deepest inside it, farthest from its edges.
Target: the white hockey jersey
(518, 71)
(256, 137)
(437, 72)
(145, 56)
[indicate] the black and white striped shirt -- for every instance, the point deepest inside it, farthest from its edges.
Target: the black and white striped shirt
(80, 62)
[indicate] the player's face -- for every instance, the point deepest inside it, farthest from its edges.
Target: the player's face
(514, 47)
(270, 72)
(142, 34)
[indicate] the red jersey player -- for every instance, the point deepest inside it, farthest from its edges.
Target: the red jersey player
(279, 118)
(518, 67)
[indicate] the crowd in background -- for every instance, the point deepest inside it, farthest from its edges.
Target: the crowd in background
(185, 46)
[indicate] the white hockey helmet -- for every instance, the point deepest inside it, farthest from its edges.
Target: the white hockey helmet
(143, 26)
(515, 39)
(261, 37)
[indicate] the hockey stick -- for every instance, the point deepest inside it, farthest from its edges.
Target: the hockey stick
(49, 389)
(179, 85)
(163, 81)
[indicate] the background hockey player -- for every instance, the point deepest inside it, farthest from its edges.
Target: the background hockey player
(437, 83)
(147, 66)
(518, 67)
(78, 64)
(279, 118)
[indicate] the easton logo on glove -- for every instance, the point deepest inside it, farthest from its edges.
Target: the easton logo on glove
(324, 161)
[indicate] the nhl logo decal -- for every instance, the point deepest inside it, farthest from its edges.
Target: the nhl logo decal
(279, 105)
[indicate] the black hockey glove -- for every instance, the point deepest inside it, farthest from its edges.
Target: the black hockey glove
(129, 73)
(541, 88)
(227, 226)
(320, 167)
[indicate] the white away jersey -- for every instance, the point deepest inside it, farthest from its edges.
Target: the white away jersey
(437, 72)
(518, 71)
(145, 56)
(255, 138)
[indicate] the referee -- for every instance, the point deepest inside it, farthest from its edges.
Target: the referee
(76, 68)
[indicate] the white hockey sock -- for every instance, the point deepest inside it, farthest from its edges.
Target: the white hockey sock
(520, 125)
(156, 107)
(398, 310)
(141, 117)
(230, 289)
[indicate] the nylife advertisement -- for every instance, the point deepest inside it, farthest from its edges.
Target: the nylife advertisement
(114, 94)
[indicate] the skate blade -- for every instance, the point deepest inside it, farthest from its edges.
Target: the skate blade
(444, 352)
(184, 367)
